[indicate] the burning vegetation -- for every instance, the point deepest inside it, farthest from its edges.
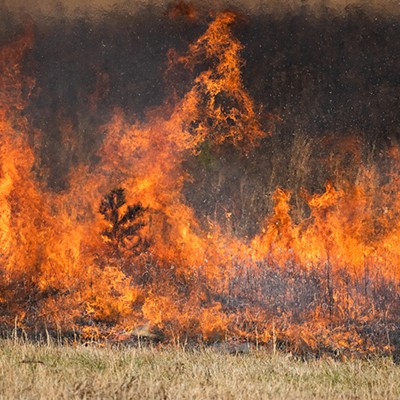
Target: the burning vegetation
(204, 213)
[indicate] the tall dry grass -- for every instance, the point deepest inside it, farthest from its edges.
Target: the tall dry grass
(32, 371)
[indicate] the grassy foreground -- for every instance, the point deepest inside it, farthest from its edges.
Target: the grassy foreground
(29, 371)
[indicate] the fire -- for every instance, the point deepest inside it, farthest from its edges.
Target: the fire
(106, 262)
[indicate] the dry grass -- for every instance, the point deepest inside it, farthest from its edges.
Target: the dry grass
(29, 371)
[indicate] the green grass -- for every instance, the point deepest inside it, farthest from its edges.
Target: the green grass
(32, 371)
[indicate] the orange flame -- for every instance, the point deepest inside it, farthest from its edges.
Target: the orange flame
(290, 283)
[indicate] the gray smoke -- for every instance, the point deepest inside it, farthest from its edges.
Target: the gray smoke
(77, 7)
(325, 74)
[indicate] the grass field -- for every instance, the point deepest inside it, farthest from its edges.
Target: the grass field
(32, 371)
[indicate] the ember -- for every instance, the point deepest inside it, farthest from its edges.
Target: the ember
(206, 213)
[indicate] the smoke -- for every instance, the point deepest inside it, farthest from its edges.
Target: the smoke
(76, 7)
(322, 75)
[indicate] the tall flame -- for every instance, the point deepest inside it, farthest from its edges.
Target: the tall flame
(312, 283)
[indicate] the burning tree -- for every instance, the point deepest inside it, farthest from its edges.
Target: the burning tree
(123, 231)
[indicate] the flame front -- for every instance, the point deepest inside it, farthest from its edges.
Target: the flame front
(327, 280)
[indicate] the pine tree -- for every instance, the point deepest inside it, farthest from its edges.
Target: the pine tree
(124, 227)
